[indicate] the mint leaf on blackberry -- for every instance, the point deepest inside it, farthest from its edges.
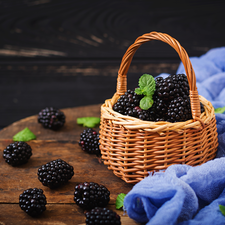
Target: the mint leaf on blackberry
(33, 201)
(89, 141)
(146, 88)
(88, 195)
(17, 153)
(55, 173)
(51, 118)
(102, 216)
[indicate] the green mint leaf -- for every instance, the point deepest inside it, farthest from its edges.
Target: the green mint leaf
(220, 110)
(222, 209)
(146, 88)
(24, 135)
(146, 80)
(138, 91)
(119, 200)
(146, 102)
(148, 91)
(88, 121)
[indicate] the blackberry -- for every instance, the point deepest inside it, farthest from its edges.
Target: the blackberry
(102, 216)
(179, 110)
(89, 141)
(17, 153)
(88, 195)
(171, 87)
(127, 102)
(33, 201)
(51, 118)
(55, 173)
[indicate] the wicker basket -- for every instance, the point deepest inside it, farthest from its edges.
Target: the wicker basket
(132, 147)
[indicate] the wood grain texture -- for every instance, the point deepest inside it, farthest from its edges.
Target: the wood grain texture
(67, 53)
(52, 216)
(50, 145)
(90, 29)
(27, 87)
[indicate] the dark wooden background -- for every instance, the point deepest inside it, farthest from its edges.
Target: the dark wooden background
(66, 53)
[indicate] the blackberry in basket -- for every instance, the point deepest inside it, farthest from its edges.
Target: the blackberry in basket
(89, 141)
(88, 195)
(51, 118)
(98, 216)
(33, 201)
(171, 101)
(55, 173)
(17, 153)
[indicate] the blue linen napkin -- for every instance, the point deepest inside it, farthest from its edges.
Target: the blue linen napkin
(183, 194)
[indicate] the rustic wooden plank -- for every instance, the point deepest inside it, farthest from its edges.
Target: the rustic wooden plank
(87, 29)
(86, 168)
(55, 214)
(50, 145)
(69, 132)
(27, 87)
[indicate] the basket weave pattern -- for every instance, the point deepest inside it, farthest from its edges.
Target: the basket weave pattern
(132, 148)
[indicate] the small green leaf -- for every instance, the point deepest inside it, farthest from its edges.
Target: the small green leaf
(119, 200)
(220, 110)
(146, 88)
(138, 91)
(88, 121)
(146, 102)
(24, 135)
(222, 209)
(145, 80)
(148, 91)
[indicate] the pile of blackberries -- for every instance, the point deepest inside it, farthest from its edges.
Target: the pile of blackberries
(171, 101)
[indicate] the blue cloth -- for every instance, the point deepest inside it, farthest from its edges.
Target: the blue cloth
(185, 195)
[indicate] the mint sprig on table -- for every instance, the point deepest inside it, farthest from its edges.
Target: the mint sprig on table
(119, 200)
(24, 135)
(88, 121)
(147, 88)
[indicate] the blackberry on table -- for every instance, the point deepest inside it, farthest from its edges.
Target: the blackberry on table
(33, 201)
(102, 216)
(88, 195)
(55, 173)
(51, 118)
(89, 141)
(17, 153)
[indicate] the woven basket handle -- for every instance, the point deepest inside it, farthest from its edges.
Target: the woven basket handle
(127, 58)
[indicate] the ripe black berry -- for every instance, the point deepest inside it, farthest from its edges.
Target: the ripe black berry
(179, 110)
(17, 153)
(55, 173)
(89, 141)
(100, 216)
(51, 118)
(171, 101)
(33, 201)
(88, 195)
(127, 102)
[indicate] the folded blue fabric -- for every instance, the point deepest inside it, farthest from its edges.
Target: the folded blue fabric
(178, 194)
(183, 194)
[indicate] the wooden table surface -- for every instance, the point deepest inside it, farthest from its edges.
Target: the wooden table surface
(50, 145)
